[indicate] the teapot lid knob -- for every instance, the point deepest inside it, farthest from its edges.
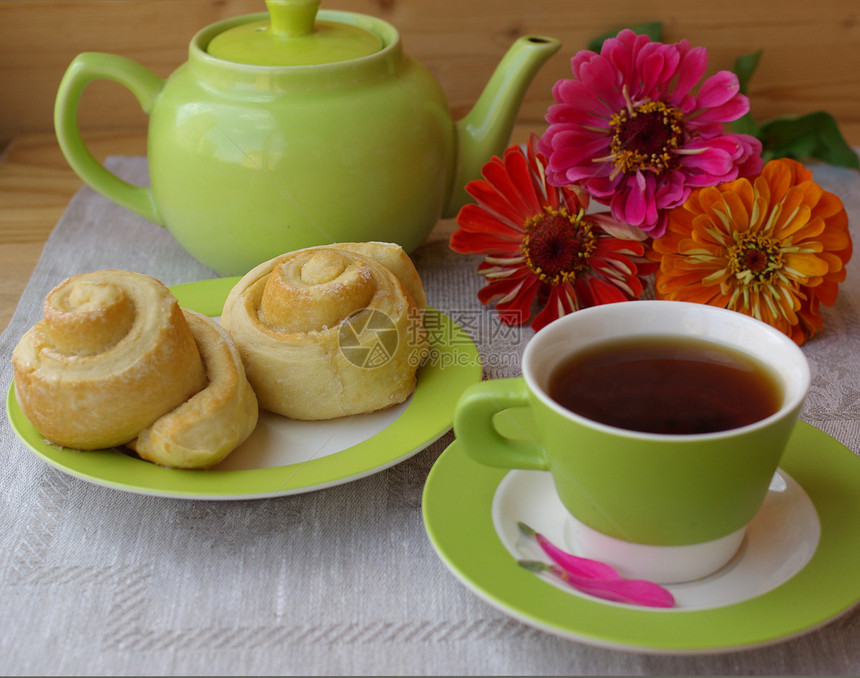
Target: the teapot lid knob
(294, 37)
(292, 17)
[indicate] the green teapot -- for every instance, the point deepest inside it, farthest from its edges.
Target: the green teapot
(298, 127)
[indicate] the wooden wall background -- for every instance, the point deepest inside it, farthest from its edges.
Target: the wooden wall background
(811, 57)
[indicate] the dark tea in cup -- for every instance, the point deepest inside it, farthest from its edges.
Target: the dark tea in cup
(666, 385)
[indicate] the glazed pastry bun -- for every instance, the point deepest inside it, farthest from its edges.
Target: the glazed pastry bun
(113, 354)
(330, 331)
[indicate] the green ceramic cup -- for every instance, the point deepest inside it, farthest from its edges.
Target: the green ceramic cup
(690, 496)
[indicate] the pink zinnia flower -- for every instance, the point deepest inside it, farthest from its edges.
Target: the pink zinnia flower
(629, 129)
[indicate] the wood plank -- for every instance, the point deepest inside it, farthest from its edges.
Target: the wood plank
(36, 185)
(811, 58)
(17, 261)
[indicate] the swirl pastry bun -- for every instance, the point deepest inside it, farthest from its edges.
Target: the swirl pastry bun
(113, 354)
(213, 422)
(330, 331)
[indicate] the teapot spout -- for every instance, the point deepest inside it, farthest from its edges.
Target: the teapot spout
(486, 129)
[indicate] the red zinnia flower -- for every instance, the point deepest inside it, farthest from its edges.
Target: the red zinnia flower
(539, 244)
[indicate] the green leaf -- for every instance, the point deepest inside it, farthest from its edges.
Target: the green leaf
(746, 125)
(525, 529)
(744, 68)
(815, 135)
(653, 30)
(534, 565)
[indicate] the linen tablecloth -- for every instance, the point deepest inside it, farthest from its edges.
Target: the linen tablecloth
(338, 581)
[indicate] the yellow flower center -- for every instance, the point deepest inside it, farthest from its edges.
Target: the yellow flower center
(646, 137)
(557, 246)
(754, 258)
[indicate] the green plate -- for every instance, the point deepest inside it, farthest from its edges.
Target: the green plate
(454, 364)
(458, 508)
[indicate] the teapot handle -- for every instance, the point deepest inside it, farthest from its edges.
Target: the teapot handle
(144, 84)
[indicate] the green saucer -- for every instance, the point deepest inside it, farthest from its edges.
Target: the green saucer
(458, 516)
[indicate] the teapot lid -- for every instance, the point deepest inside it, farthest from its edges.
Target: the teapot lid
(293, 37)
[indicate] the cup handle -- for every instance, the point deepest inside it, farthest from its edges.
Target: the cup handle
(144, 84)
(476, 432)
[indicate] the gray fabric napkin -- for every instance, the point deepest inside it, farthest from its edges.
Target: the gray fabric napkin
(339, 581)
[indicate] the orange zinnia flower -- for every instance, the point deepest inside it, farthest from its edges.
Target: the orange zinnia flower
(772, 247)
